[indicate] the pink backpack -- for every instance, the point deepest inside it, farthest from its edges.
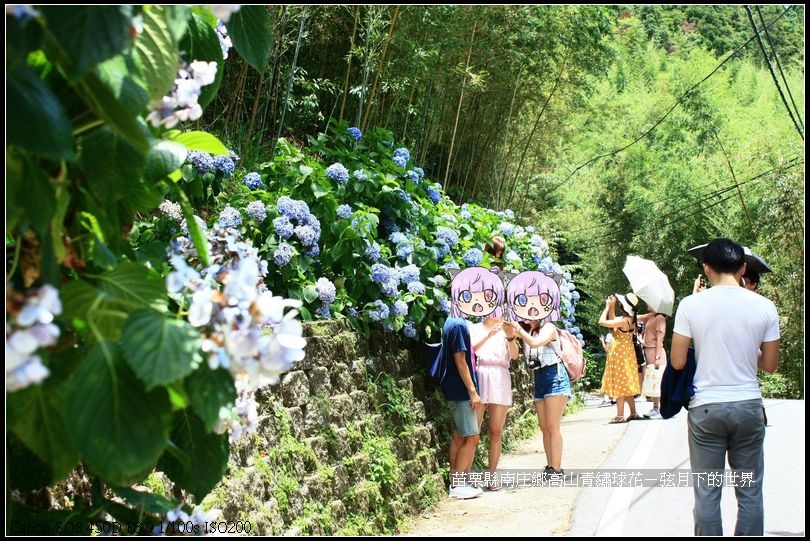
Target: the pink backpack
(571, 354)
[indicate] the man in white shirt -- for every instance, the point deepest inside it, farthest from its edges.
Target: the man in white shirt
(734, 331)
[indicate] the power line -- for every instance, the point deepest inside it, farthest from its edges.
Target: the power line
(678, 215)
(667, 201)
(779, 65)
(672, 108)
(770, 68)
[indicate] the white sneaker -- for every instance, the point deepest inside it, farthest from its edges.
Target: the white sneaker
(464, 492)
(652, 414)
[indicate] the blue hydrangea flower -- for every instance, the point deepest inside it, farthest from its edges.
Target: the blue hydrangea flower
(344, 212)
(419, 171)
(230, 217)
(400, 161)
(283, 227)
(380, 273)
(224, 165)
(473, 257)
(409, 329)
(443, 249)
(444, 305)
(530, 229)
(413, 176)
(388, 326)
(379, 312)
(292, 208)
(400, 308)
(360, 175)
(314, 251)
(451, 265)
(575, 295)
(324, 311)
(283, 254)
(390, 225)
(404, 250)
(510, 215)
(326, 290)
(352, 312)
(397, 238)
(390, 288)
(338, 173)
(202, 161)
(253, 181)
(512, 255)
(402, 153)
(447, 235)
(373, 252)
(465, 215)
(306, 234)
(409, 274)
(355, 133)
(507, 228)
(257, 211)
(433, 194)
(417, 288)
(402, 194)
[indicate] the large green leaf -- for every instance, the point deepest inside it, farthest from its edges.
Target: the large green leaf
(251, 32)
(122, 77)
(119, 428)
(207, 455)
(199, 140)
(88, 35)
(201, 43)
(25, 470)
(36, 416)
(160, 350)
(35, 119)
(111, 164)
(99, 312)
(29, 188)
(164, 158)
(135, 285)
(210, 390)
(118, 114)
(156, 52)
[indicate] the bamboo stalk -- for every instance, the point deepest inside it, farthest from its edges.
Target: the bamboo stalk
(349, 63)
(278, 45)
(380, 68)
(289, 82)
(458, 109)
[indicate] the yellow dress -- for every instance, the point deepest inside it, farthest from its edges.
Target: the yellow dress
(621, 369)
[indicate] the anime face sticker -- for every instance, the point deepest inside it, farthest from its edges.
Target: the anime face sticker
(476, 291)
(533, 296)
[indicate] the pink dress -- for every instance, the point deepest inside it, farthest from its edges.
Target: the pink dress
(492, 360)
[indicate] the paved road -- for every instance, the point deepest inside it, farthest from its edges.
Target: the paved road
(668, 511)
(592, 444)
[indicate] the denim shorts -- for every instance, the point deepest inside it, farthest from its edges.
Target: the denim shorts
(551, 380)
(464, 418)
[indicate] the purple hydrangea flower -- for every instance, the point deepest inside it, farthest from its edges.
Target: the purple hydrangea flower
(409, 274)
(373, 252)
(283, 254)
(379, 312)
(352, 312)
(202, 161)
(306, 234)
(326, 290)
(400, 308)
(314, 251)
(409, 329)
(417, 288)
(283, 227)
(404, 250)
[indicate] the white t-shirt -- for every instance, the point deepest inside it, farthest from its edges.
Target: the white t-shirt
(727, 325)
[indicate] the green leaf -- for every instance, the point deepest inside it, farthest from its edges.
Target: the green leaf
(106, 105)
(164, 157)
(210, 390)
(111, 164)
(305, 170)
(88, 35)
(207, 453)
(156, 52)
(119, 428)
(146, 502)
(195, 232)
(201, 43)
(310, 293)
(35, 119)
(251, 32)
(36, 416)
(122, 77)
(135, 285)
(34, 194)
(28, 471)
(200, 140)
(160, 350)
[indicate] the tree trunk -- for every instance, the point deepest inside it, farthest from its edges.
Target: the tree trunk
(380, 68)
(458, 109)
(349, 63)
(271, 91)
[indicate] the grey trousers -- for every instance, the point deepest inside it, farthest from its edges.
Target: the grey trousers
(739, 429)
